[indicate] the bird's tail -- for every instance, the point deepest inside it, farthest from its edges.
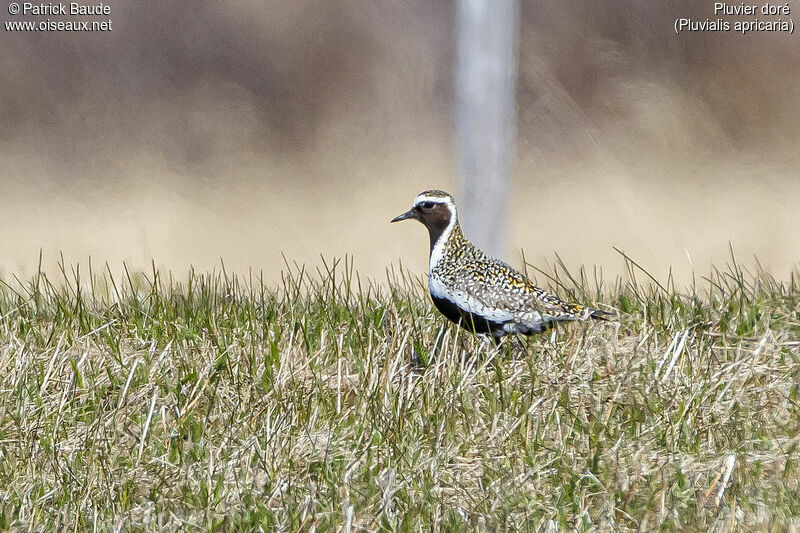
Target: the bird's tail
(583, 313)
(597, 314)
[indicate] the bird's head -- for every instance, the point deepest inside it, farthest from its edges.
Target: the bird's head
(435, 209)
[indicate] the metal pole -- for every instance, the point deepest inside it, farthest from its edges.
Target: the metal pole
(486, 75)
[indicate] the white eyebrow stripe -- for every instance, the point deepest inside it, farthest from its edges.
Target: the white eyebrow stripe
(434, 199)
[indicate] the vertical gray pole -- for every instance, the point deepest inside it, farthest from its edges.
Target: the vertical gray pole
(486, 75)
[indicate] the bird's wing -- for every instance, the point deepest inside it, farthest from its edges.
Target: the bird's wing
(468, 296)
(501, 287)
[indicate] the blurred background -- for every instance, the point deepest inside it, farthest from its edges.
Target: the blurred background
(244, 130)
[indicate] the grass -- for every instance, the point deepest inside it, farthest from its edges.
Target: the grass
(218, 403)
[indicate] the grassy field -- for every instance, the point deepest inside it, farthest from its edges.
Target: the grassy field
(216, 402)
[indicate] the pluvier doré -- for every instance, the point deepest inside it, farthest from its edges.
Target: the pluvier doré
(479, 292)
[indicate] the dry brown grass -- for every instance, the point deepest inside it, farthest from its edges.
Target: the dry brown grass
(221, 404)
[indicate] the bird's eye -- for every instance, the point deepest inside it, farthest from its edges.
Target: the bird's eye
(427, 205)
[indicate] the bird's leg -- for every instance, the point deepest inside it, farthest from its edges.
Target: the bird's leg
(437, 344)
(420, 357)
(416, 361)
(487, 343)
(522, 345)
(504, 344)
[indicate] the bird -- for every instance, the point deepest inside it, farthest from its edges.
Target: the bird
(477, 291)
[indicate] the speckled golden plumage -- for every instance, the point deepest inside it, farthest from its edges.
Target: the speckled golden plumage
(478, 291)
(495, 283)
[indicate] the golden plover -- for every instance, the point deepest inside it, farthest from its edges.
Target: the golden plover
(481, 293)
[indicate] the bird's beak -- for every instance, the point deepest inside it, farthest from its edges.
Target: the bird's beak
(408, 214)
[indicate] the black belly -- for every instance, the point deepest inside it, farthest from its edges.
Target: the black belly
(467, 320)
